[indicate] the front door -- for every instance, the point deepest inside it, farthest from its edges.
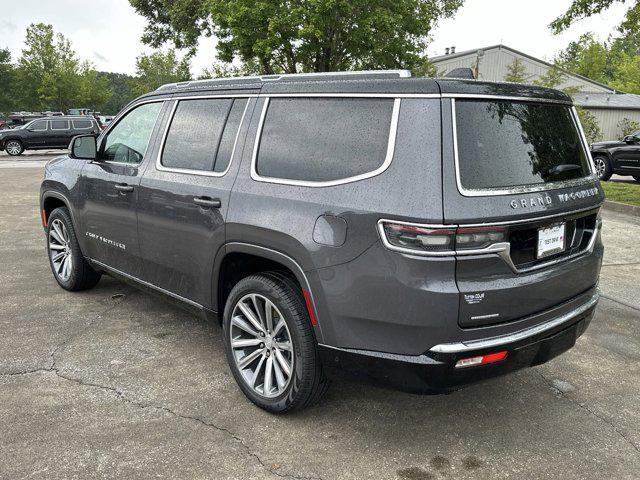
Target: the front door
(627, 157)
(37, 134)
(109, 189)
(184, 195)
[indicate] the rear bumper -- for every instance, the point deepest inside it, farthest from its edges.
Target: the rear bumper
(435, 371)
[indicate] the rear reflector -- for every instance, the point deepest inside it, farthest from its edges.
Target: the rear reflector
(481, 359)
(307, 300)
(44, 217)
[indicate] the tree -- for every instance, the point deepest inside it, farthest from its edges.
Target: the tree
(7, 81)
(157, 69)
(119, 86)
(589, 58)
(580, 9)
(551, 79)
(627, 77)
(516, 72)
(628, 126)
(590, 125)
(300, 35)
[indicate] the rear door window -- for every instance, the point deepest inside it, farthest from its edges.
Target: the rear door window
(59, 124)
(197, 138)
(82, 124)
(504, 144)
(325, 139)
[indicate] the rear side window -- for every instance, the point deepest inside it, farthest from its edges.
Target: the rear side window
(197, 138)
(324, 139)
(82, 124)
(503, 144)
(59, 124)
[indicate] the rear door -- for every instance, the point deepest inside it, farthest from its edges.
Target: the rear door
(184, 194)
(60, 132)
(518, 184)
(109, 189)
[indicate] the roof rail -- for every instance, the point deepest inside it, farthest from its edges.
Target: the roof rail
(289, 76)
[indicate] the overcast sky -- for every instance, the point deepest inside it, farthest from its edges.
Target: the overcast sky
(108, 32)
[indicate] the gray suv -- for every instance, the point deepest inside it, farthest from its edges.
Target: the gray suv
(419, 233)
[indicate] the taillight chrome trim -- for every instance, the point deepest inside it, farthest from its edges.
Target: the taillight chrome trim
(483, 343)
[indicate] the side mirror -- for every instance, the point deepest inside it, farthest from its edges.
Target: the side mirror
(631, 139)
(83, 147)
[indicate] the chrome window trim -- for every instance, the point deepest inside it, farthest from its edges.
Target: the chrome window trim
(506, 97)
(482, 343)
(46, 126)
(188, 171)
(59, 129)
(350, 95)
(467, 192)
(502, 249)
(73, 124)
(393, 130)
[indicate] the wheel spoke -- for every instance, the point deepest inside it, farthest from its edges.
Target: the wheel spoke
(250, 316)
(247, 359)
(54, 234)
(241, 324)
(65, 270)
(57, 257)
(256, 374)
(59, 233)
(279, 326)
(268, 316)
(55, 246)
(259, 311)
(284, 363)
(268, 376)
(280, 380)
(284, 346)
(246, 342)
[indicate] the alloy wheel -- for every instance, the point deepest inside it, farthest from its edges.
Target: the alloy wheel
(60, 250)
(600, 167)
(261, 345)
(13, 148)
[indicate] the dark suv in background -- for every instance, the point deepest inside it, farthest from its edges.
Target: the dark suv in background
(421, 233)
(619, 157)
(45, 133)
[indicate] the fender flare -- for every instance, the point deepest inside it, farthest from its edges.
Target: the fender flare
(269, 254)
(60, 196)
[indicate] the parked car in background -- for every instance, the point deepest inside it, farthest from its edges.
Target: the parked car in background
(619, 157)
(43, 133)
(421, 233)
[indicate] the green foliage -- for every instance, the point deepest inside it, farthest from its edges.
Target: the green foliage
(516, 72)
(7, 81)
(627, 127)
(301, 35)
(580, 9)
(119, 84)
(627, 77)
(589, 124)
(554, 77)
(157, 69)
(622, 192)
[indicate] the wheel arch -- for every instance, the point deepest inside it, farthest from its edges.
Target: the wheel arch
(262, 259)
(51, 200)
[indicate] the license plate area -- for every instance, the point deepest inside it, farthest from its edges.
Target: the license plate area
(551, 240)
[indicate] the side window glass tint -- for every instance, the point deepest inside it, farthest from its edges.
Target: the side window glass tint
(228, 141)
(39, 125)
(59, 124)
(195, 133)
(82, 124)
(324, 139)
(127, 141)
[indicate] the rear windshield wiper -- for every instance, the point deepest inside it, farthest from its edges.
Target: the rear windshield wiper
(566, 167)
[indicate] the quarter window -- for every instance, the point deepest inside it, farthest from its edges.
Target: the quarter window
(127, 141)
(59, 124)
(198, 139)
(324, 139)
(82, 124)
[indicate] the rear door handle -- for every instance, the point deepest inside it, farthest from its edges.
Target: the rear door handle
(123, 187)
(207, 202)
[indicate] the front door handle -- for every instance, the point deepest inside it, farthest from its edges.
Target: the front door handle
(123, 187)
(207, 202)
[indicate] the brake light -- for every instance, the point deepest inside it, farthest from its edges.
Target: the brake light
(443, 240)
(481, 359)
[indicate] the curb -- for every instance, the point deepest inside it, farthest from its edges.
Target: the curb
(622, 208)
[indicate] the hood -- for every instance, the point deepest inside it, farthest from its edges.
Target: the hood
(608, 144)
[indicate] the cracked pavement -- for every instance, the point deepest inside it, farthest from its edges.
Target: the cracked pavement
(115, 383)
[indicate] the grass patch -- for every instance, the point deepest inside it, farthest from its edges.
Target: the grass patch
(622, 192)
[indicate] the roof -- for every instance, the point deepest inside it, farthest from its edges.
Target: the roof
(617, 101)
(377, 82)
(500, 46)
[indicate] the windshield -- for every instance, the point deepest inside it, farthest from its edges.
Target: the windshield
(509, 144)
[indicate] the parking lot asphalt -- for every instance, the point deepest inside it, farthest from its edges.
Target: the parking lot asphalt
(114, 383)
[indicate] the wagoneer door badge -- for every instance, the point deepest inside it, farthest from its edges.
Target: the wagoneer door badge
(108, 241)
(537, 201)
(589, 192)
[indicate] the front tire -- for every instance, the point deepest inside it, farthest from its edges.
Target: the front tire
(69, 267)
(603, 168)
(270, 344)
(14, 147)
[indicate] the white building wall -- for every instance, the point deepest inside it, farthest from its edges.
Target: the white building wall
(608, 120)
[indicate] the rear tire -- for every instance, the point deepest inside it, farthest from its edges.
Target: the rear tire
(14, 147)
(279, 392)
(69, 267)
(603, 168)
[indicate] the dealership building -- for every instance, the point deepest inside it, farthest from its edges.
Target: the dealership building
(609, 106)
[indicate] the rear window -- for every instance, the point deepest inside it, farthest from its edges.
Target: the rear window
(324, 139)
(82, 124)
(508, 144)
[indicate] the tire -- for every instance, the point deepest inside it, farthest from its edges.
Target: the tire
(636, 178)
(14, 147)
(71, 271)
(603, 168)
(306, 383)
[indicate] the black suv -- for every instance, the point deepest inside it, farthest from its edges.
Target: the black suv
(421, 233)
(621, 158)
(44, 133)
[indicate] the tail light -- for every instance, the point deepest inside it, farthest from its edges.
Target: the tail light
(439, 240)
